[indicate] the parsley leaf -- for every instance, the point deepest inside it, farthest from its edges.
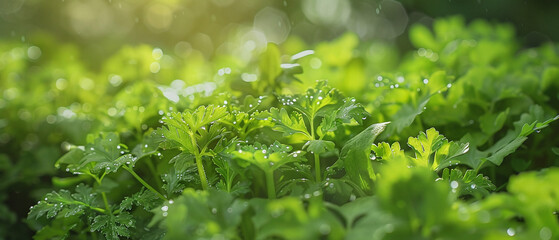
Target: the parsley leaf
(113, 226)
(355, 156)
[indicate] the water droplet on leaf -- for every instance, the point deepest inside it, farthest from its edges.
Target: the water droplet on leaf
(454, 184)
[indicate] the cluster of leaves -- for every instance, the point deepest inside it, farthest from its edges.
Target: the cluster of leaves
(231, 158)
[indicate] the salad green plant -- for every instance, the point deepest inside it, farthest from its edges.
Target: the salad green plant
(453, 140)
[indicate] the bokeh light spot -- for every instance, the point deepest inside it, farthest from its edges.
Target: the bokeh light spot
(158, 17)
(327, 12)
(273, 23)
(34, 52)
(154, 67)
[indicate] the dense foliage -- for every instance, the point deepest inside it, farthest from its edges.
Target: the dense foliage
(448, 141)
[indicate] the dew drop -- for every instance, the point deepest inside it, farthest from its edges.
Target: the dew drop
(511, 232)
(454, 184)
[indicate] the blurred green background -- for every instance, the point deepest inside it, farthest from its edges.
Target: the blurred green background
(101, 27)
(63, 63)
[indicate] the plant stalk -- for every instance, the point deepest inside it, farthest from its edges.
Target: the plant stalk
(201, 172)
(317, 168)
(144, 183)
(270, 184)
(153, 172)
(199, 164)
(106, 203)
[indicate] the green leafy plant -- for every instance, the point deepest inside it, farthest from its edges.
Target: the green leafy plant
(454, 140)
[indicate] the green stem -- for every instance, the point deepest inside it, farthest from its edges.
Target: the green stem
(201, 172)
(153, 171)
(312, 126)
(98, 180)
(316, 157)
(97, 209)
(355, 187)
(317, 167)
(270, 184)
(229, 180)
(144, 183)
(199, 164)
(479, 166)
(243, 132)
(91, 207)
(106, 203)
